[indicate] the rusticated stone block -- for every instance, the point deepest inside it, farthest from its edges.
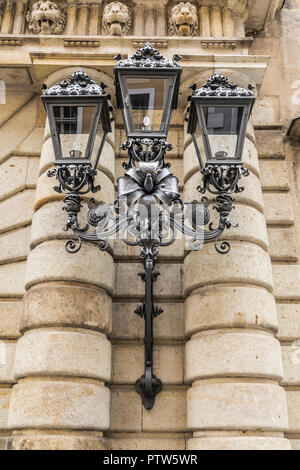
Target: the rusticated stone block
(14, 246)
(266, 111)
(238, 443)
(218, 353)
(12, 280)
(47, 441)
(278, 209)
(7, 357)
(50, 262)
(49, 221)
(57, 305)
(168, 284)
(237, 406)
(291, 364)
(4, 406)
(13, 173)
(147, 443)
(17, 210)
(230, 307)
(128, 363)
(126, 410)
(288, 319)
(274, 175)
(293, 403)
(245, 263)
(286, 281)
(33, 172)
(269, 143)
(10, 313)
(252, 195)
(59, 404)
(52, 352)
(168, 414)
(32, 145)
(45, 192)
(251, 225)
(283, 244)
(168, 326)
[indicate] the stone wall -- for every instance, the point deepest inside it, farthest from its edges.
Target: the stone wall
(226, 345)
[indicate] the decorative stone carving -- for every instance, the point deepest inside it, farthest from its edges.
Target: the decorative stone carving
(46, 17)
(117, 19)
(183, 20)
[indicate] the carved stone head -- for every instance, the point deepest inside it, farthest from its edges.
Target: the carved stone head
(46, 17)
(183, 20)
(117, 19)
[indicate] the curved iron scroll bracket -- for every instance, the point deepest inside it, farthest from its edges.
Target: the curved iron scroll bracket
(148, 184)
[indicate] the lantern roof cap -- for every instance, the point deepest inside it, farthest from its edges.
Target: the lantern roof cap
(78, 84)
(148, 57)
(220, 86)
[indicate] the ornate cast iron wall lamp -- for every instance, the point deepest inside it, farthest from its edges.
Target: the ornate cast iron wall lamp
(148, 211)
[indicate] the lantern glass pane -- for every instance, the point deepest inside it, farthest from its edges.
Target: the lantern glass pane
(198, 141)
(223, 126)
(148, 99)
(74, 126)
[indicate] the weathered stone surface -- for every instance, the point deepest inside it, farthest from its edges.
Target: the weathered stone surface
(49, 221)
(244, 263)
(32, 144)
(269, 143)
(153, 442)
(17, 210)
(219, 353)
(59, 404)
(12, 280)
(168, 414)
(283, 244)
(266, 111)
(53, 352)
(230, 307)
(251, 225)
(13, 173)
(274, 175)
(291, 364)
(14, 246)
(10, 313)
(293, 403)
(47, 441)
(128, 363)
(278, 209)
(168, 284)
(168, 326)
(240, 406)
(33, 172)
(126, 410)
(7, 357)
(288, 319)
(286, 281)
(4, 406)
(238, 443)
(56, 304)
(3, 443)
(89, 266)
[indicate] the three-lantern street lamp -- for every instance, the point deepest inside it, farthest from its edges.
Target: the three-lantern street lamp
(148, 211)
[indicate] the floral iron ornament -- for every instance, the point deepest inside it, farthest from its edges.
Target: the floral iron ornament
(150, 214)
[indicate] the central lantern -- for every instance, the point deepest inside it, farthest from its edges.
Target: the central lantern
(147, 87)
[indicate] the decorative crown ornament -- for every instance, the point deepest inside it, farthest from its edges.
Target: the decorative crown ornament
(78, 84)
(219, 85)
(147, 57)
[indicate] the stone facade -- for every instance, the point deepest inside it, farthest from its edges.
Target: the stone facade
(227, 345)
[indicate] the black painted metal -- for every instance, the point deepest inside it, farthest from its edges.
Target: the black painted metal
(147, 184)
